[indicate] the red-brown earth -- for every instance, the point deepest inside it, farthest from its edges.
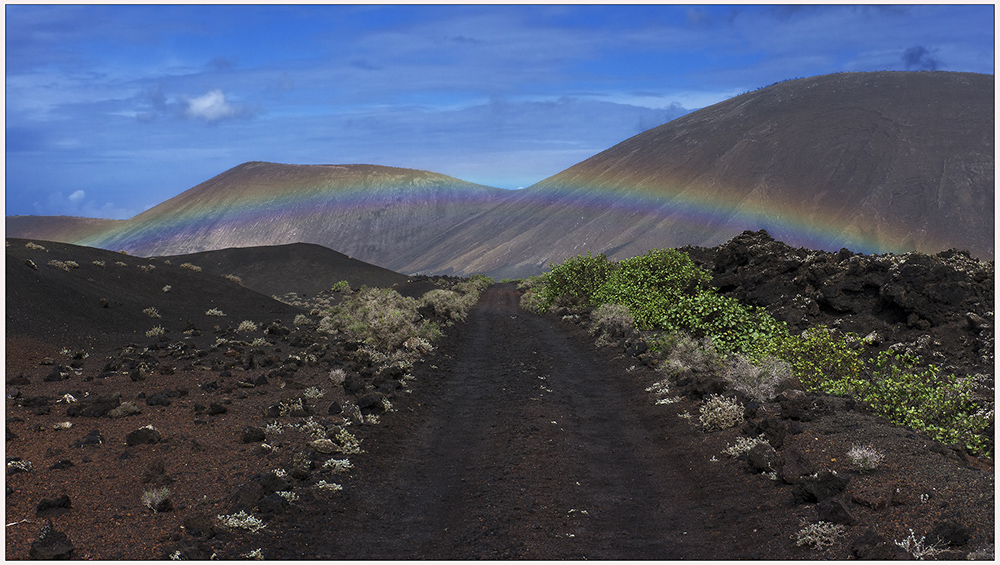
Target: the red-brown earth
(517, 437)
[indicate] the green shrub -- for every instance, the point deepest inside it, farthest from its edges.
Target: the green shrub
(533, 301)
(342, 287)
(576, 280)
(649, 284)
(893, 384)
(733, 327)
(921, 398)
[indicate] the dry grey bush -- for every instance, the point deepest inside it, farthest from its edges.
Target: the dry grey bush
(190, 267)
(234, 278)
(152, 312)
(720, 413)
(615, 319)
(757, 381)
(819, 535)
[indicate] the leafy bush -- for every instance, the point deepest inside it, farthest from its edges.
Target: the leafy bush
(534, 302)
(819, 356)
(342, 287)
(921, 398)
(893, 384)
(576, 280)
(649, 284)
(733, 327)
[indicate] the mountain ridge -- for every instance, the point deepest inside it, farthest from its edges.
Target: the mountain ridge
(875, 162)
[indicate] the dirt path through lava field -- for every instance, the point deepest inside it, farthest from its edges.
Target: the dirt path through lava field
(521, 442)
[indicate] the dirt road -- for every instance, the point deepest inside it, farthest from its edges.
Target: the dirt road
(521, 441)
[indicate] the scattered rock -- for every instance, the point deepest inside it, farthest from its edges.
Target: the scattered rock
(949, 533)
(833, 510)
(61, 464)
(245, 496)
(876, 497)
(214, 408)
(92, 438)
(762, 458)
(51, 545)
(147, 435)
(819, 487)
(795, 467)
(251, 434)
(324, 446)
(272, 504)
(127, 408)
(271, 482)
(95, 408)
(872, 546)
(158, 399)
(56, 505)
(199, 524)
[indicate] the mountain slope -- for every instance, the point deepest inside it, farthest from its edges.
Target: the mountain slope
(376, 214)
(875, 162)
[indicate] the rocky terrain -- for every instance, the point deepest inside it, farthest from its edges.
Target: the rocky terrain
(513, 436)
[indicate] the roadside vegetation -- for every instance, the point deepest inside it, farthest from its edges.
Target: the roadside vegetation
(670, 301)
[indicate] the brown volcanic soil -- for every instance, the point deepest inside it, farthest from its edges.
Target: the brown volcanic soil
(517, 438)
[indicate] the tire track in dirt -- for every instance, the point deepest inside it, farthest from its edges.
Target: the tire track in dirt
(522, 445)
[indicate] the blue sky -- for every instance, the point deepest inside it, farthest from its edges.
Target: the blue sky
(112, 109)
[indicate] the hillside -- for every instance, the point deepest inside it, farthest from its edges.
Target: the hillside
(874, 162)
(377, 214)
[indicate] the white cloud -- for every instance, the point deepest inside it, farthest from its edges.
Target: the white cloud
(77, 196)
(212, 107)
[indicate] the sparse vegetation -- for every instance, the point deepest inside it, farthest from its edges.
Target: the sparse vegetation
(917, 547)
(191, 267)
(242, 520)
(758, 381)
(33, 245)
(64, 265)
(379, 317)
(157, 500)
(234, 279)
(247, 326)
(98, 263)
(156, 331)
(865, 457)
(720, 413)
(820, 535)
(152, 312)
(214, 312)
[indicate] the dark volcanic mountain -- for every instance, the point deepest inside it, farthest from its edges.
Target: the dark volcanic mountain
(875, 162)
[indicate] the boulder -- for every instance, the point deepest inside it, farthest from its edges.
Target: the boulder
(834, 511)
(147, 435)
(51, 545)
(251, 434)
(819, 487)
(872, 546)
(795, 466)
(56, 505)
(948, 532)
(762, 458)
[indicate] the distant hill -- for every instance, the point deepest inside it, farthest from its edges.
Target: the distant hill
(303, 268)
(381, 215)
(875, 162)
